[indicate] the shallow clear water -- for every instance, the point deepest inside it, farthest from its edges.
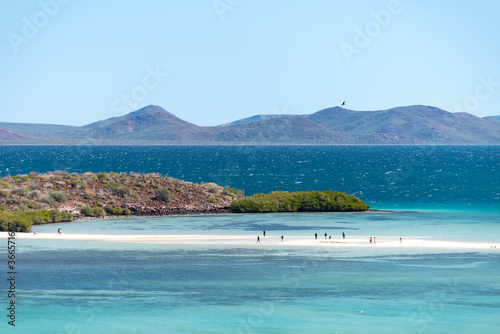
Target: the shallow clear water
(439, 225)
(441, 193)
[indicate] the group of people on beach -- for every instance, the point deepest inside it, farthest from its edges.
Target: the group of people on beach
(373, 240)
(327, 237)
(315, 236)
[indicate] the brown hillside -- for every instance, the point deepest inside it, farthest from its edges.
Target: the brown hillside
(142, 194)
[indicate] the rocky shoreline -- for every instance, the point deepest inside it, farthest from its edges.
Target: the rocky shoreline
(148, 211)
(221, 211)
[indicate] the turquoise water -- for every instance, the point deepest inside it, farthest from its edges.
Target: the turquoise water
(464, 226)
(104, 287)
(440, 193)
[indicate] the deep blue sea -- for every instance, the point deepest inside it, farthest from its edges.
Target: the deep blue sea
(438, 192)
(432, 177)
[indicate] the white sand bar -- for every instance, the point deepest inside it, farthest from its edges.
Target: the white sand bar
(302, 241)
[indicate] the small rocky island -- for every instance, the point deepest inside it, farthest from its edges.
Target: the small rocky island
(33, 199)
(27, 200)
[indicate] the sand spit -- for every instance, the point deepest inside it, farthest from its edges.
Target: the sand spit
(298, 241)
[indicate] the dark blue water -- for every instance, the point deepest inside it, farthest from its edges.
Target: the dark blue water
(384, 176)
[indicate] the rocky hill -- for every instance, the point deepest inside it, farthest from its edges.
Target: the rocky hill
(409, 125)
(95, 195)
(154, 125)
(151, 122)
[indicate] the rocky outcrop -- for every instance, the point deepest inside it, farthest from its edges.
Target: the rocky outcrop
(140, 194)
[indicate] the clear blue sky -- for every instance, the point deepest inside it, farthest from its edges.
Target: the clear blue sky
(211, 62)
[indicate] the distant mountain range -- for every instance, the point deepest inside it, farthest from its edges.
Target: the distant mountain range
(154, 125)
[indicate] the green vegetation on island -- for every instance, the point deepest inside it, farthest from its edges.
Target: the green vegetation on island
(21, 220)
(301, 201)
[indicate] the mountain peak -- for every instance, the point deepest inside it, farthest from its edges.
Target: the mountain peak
(148, 110)
(147, 117)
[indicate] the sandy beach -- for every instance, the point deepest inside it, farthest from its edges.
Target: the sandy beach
(302, 241)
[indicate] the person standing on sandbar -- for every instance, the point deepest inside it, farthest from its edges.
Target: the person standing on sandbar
(264, 233)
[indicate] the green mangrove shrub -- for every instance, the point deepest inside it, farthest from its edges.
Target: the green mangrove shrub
(117, 211)
(93, 211)
(23, 220)
(302, 201)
